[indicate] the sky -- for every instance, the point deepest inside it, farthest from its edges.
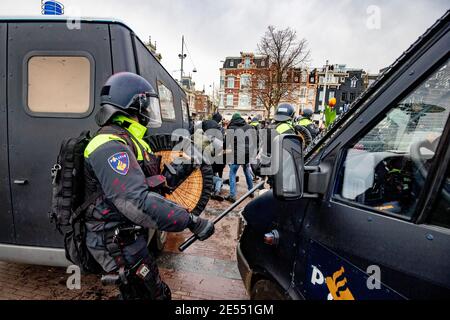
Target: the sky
(367, 34)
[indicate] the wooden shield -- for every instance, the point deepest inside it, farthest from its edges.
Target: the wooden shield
(195, 191)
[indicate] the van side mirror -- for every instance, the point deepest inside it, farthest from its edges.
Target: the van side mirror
(288, 180)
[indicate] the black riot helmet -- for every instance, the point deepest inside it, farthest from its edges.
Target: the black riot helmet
(307, 113)
(284, 112)
(131, 95)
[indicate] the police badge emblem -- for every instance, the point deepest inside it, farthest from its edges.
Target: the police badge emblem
(119, 162)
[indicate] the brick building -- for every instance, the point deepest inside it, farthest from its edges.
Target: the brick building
(245, 79)
(239, 85)
(202, 105)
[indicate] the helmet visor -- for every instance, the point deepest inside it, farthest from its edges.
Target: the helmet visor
(148, 109)
(153, 112)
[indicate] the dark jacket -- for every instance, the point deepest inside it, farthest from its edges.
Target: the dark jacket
(242, 141)
(126, 197)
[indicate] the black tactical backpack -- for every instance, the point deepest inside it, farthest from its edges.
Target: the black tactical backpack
(68, 201)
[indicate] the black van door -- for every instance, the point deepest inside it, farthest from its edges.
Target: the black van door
(6, 216)
(55, 74)
(369, 238)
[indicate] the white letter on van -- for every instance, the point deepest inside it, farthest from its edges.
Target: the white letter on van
(317, 276)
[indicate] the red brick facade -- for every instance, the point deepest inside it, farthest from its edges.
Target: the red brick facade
(244, 78)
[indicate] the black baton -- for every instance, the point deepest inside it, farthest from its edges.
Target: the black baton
(194, 238)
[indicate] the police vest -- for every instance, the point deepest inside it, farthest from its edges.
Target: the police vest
(284, 127)
(136, 130)
(305, 122)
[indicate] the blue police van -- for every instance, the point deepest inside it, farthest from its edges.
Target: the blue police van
(51, 74)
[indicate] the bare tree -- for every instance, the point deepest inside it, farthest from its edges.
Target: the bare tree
(284, 52)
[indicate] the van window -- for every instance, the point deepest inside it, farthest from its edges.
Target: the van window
(440, 215)
(386, 169)
(166, 101)
(59, 84)
(184, 110)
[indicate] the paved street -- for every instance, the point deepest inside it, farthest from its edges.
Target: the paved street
(207, 270)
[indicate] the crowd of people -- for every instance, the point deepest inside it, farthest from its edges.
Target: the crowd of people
(239, 150)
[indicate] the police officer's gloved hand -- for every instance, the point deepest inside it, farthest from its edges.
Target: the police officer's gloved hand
(202, 228)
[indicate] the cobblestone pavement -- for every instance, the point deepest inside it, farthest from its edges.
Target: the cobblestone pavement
(206, 270)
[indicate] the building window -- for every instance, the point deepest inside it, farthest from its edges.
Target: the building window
(344, 97)
(244, 100)
(247, 62)
(222, 82)
(353, 82)
(352, 96)
(259, 102)
(229, 100)
(231, 63)
(166, 102)
(261, 84)
(245, 81)
(321, 94)
(64, 86)
(263, 63)
(303, 77)
(303, 92)
(311, 94)
(230, 82)
(184, 111)
(331, 95)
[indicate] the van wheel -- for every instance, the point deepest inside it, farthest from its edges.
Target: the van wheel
(267, 290)
(157, 243)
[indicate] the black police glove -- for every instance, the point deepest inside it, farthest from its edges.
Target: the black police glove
(202, 228)
(175, 174)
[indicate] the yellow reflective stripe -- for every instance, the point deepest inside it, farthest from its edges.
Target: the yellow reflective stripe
(305, 122)
(145, 145)
(282, 128)
(99, 140)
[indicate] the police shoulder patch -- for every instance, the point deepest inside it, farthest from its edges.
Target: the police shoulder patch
(120, 162)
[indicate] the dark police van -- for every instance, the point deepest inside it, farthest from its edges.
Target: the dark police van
(368, 213)
(51, 74)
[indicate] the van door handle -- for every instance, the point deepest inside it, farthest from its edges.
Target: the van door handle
(20, 181)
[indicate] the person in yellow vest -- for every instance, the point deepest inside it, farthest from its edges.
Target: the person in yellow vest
(121, 168)
(255, 123)
(305, 121)
(283, 119)
(330, 112)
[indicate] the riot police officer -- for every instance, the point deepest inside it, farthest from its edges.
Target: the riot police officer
(119, 164)
(284, 114)
(305, 121)
(284, 123)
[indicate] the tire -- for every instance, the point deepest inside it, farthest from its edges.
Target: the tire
(195, 192)
(267, 290)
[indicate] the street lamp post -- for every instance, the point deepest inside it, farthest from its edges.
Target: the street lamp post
(324, 87)
(182, 56)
